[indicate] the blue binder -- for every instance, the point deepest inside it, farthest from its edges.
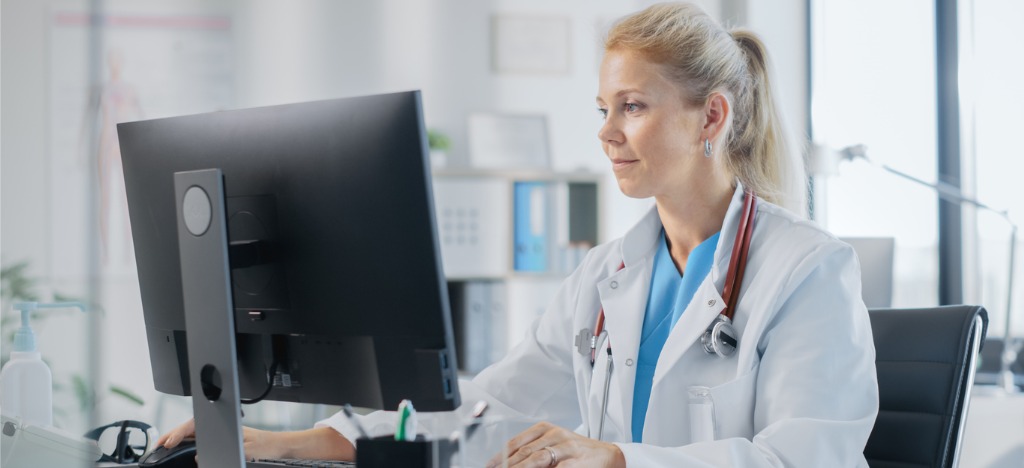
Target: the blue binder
(530, 226)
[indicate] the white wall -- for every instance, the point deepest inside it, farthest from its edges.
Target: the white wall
(25, 225)
(23, 121)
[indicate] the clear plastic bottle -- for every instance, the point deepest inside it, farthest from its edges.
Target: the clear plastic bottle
(26, 385)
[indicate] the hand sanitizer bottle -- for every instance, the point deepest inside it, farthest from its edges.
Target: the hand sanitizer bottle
(26, 386)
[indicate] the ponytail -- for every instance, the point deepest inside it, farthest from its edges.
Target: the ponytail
(758, 152)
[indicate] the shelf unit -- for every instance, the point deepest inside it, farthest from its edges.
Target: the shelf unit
(508, 239)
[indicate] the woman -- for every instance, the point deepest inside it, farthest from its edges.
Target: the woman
(688, 120)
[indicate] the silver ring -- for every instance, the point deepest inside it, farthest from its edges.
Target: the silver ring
(554, 458)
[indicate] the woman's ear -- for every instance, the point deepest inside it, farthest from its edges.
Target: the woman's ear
(717, 112)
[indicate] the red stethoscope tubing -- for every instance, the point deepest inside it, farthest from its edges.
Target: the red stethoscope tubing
(734, 276)
(738, 262)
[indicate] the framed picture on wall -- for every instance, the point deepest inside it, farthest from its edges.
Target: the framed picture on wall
(531, 44)
(508, 141)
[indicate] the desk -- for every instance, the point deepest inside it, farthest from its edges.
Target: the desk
(994, 436)
(135, 465)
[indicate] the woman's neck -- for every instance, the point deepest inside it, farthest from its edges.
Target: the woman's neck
(692, 218)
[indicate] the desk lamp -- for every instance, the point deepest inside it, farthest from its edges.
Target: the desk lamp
(825, 162)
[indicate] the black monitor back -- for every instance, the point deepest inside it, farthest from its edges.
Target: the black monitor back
(336, 273)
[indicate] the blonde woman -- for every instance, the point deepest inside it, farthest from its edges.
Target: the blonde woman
(788, 379)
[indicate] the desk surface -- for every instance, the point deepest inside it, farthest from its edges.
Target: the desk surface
(994, 436)
(247, 465)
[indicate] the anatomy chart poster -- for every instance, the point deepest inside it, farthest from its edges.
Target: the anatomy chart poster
(145, 65)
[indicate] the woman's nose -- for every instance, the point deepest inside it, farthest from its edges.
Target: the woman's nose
(609, 132)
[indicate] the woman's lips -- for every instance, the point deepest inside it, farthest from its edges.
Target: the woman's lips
(622, 163)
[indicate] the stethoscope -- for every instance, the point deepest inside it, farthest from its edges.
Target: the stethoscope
(720, 338)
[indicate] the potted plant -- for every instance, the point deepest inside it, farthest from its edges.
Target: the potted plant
(439, 144)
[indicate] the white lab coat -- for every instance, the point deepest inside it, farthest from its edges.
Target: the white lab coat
(800, 390)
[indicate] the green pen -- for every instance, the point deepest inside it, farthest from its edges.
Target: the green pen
(406, 429)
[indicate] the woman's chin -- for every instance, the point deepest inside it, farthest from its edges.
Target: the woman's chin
(632, 190)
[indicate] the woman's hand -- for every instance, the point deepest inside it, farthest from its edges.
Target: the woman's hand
(322, 443)
(174, 437)
(545, 444)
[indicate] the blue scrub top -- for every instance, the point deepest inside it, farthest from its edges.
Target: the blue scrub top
(669, 296)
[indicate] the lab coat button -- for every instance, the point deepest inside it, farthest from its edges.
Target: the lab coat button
(711, 303)
(629, 362)
(614, 284)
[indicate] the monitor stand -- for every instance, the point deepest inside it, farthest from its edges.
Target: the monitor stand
(209, 316)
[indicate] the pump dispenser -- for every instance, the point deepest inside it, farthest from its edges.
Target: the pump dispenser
(26, 386)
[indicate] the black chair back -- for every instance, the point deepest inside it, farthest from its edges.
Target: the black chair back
(926, 361)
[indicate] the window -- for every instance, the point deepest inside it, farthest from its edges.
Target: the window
(991, 65)
(873, 82)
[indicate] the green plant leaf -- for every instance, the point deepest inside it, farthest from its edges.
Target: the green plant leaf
(83, 392)
(15, 283)
(127, 394)
(437, 140)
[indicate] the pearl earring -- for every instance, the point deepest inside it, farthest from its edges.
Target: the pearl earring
(707, 148)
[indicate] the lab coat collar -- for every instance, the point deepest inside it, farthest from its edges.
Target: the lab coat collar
(641, 240)
(624, 297)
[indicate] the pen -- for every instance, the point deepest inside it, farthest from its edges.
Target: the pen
(406, 429)
(355, 422)
(478, 412)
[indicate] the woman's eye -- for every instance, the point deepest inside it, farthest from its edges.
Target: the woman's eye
(602, 112)
(632, 107)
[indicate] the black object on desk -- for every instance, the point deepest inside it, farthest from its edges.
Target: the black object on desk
(385, 451)
(126, 432)
(182, 455)
(284, 462)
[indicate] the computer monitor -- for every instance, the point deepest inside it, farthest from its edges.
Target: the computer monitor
(876, 268)
(334, 269)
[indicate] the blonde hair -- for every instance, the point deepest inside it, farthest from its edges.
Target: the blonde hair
(704, 58)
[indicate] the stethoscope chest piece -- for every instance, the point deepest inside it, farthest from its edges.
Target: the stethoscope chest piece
(720, 338)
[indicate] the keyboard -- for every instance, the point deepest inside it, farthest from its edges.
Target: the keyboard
(279, 462)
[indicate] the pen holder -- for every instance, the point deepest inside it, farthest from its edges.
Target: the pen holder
(385, 451)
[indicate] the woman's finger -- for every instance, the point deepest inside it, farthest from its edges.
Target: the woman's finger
(528, 436)
(524, 453)
(516, 444)
(175, 436)
(539, 458)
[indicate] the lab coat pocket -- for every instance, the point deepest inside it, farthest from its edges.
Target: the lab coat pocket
(732, 404)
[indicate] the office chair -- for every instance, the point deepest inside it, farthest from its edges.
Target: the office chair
(925, 362)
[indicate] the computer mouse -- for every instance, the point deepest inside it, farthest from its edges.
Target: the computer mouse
(182, 455)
